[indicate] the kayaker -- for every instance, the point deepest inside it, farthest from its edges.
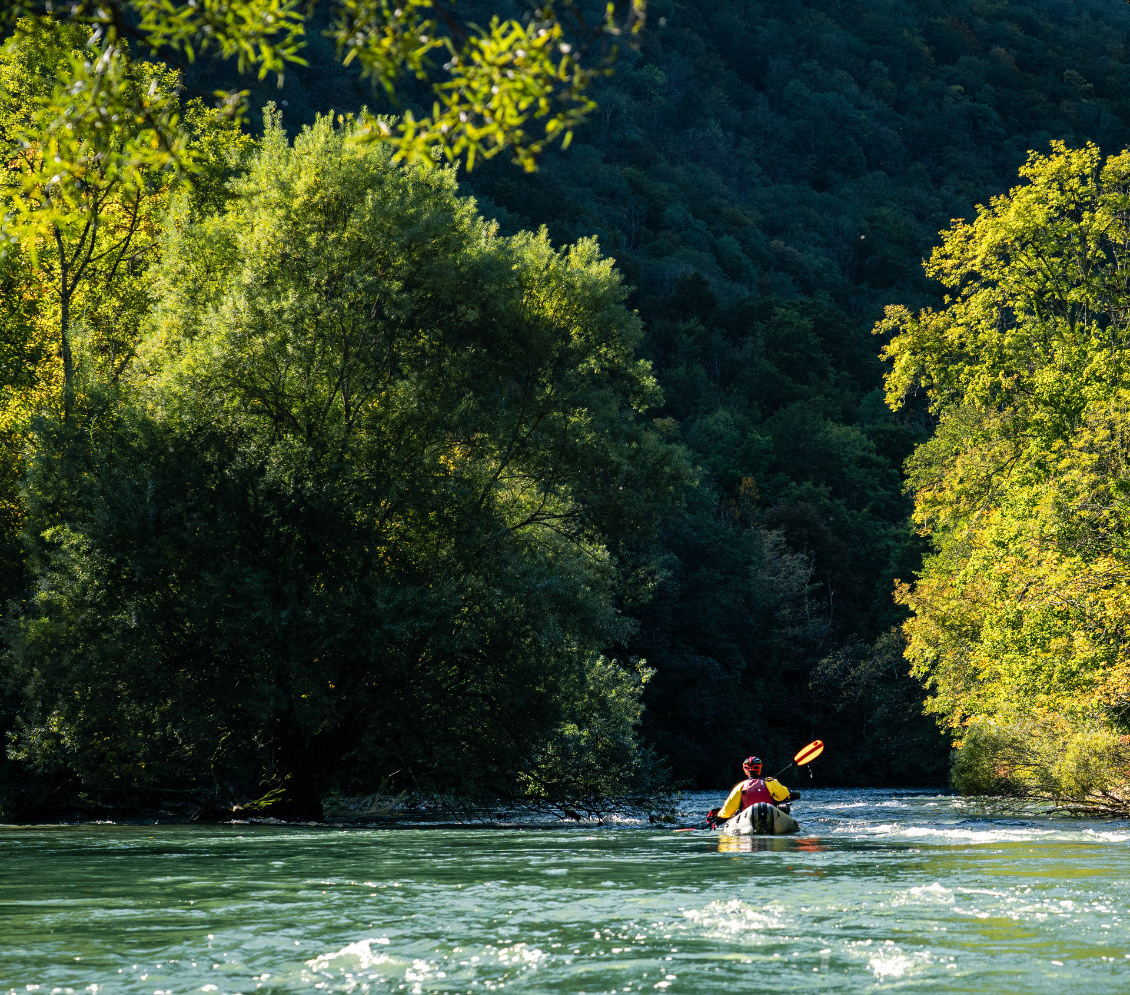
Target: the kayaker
(750, 791)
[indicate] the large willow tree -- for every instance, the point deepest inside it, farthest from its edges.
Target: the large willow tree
(1020, 615)
(355, 511)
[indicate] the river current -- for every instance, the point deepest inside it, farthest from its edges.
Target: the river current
(881, 891)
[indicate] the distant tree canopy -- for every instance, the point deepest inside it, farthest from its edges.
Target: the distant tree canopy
(768, 176)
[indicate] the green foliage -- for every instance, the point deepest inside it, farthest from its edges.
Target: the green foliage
(83, 195)
(755, 143)
(593, 759)
(72, 282)
(869, 686)
(85, 137)
(1085, 770)
(354, 510)
(221, 152)
(768, 176)
(1020, 489)
(499, 81)
(21, 354)
(1033, 326)
(722, 603)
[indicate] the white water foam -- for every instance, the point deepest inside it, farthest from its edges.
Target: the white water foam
(995, 835)
(733, 917)
(1107, 837)
(896, 964)
(521, 955)
(360, 951)
(929, 894)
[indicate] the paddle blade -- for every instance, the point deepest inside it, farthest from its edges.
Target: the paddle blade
(810, 752)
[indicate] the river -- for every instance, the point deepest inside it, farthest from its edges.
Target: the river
(881, 891)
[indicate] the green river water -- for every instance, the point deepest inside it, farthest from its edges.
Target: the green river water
(881, 891)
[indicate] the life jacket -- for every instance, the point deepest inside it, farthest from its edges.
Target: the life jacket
(753, 791)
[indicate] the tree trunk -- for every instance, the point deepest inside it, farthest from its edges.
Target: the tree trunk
(66, 289)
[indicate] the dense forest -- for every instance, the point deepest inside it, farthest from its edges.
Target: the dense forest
(365, 473)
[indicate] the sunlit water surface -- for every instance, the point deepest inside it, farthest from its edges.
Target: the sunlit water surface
(881, 891)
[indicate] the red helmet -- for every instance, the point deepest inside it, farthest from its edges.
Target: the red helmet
(752, 766)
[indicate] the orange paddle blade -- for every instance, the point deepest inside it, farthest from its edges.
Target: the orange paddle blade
(810, 752)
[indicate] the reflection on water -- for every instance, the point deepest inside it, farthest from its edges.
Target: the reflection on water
(887, 891)
(764, 844)
(754, 844)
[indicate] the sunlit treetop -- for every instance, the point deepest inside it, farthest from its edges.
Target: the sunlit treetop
(515, 85)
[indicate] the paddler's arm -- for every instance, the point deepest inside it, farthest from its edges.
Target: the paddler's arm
(733, 803)
(779, 792)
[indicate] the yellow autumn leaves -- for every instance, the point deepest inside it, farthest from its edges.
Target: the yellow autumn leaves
(1019, 615)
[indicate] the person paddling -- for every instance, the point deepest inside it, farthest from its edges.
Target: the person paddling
(749, 792)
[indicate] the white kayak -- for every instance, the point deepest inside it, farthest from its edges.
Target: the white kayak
(760, 819)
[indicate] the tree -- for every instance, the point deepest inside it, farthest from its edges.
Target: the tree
(80, 191)
(358, 509)
(1021, 606)
(83, 197)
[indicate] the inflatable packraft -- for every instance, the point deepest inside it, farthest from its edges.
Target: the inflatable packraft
(760, 819)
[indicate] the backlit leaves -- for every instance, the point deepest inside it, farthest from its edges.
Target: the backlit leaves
(110, 133)
(500, 81)
(516, 85)
(1024, 487)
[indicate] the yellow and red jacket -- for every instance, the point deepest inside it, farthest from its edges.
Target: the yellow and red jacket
(747, 793)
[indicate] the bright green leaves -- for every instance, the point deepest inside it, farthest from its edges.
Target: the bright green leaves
(1036, 328)
(93, 143)
(500, 81)
(516, 85)
(107, 137)
(1082, 770)
(1022, 487)
(93, 139)
(359, 300)
(1037, 320)
(387, 39)
(266, 34)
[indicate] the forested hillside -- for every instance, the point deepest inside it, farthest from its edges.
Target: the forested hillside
(767, 177)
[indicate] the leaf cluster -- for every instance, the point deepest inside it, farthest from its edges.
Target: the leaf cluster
(1079, 770)
(499, 80)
